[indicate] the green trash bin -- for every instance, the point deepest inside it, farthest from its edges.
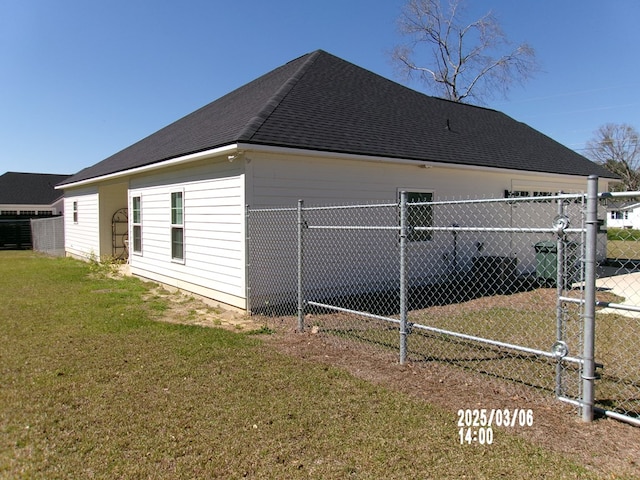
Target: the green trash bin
(547, 261)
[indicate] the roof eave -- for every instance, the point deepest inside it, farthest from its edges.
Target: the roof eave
(226, 149)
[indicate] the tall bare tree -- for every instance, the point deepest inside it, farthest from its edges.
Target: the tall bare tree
(615, 146)
(462, 61)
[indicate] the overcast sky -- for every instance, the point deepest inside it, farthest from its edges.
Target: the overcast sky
(84, 79)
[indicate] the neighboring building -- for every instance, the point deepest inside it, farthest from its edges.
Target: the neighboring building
(625, 216)
(24, 196)
(30, 194)
(317, 128)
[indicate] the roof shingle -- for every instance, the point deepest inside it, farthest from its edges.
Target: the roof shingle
(321, 102)
(29, 188)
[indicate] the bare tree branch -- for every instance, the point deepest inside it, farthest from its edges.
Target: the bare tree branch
(471, 61)
(616, 147)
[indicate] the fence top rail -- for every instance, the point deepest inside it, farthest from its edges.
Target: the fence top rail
(346, 207)
(605, 195)
(275, 209)
(327, 207)
(510, 200)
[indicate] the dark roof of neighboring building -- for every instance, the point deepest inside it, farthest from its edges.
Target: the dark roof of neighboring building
(30, 188)
(629, 205)
(321, 102)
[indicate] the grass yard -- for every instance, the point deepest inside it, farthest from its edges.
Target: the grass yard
(526, 319)
(94, 387)
(623, 244)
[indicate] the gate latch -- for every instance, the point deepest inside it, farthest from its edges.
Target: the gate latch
(560, 350)
(560, 223)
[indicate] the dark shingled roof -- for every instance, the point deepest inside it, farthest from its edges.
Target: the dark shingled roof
(30, 188)
(321, 102)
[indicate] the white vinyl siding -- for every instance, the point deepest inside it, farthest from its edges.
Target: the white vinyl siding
(279, 181)
(213, 223)
(82, 236)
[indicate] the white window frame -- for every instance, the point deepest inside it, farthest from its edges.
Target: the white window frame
(75, 211)
(175, 226)
(136, 225)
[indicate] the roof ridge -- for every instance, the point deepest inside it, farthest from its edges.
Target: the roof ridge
(270, 106)
(37, 173)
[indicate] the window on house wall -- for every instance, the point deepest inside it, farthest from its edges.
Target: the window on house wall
(419, 216)
(136, 222)
(75, 212)
(619, 215)
(177, 226)
(9, 212)
(516, 193)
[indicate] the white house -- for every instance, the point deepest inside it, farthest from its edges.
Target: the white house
(317, 128)
(625, 216)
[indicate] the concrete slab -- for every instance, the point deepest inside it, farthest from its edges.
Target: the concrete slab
(626, 286)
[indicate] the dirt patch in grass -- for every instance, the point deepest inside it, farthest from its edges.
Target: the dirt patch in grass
(176, 306)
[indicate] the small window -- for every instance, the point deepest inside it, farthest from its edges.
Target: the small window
(136, 224)
(419, 215)
(516, 194)
(75, 212)
(177, 226)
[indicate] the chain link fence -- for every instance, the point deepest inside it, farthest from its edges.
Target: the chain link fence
(493, 286)
(618, 298)
(48, 235)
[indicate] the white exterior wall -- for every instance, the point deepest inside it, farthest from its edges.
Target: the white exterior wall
(634, 217)
(217, 190)
(631, 222)
(82, 238)
(279, 181)
(214, 233)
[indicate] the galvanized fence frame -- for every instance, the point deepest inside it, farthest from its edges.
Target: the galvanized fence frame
(578, 369)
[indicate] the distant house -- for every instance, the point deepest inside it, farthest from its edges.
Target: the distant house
(30, 194)
(625, 216)
(318, 128)
(24, 196)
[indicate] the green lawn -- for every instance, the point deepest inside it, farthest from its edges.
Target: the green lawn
(623, 244)
(92, 387)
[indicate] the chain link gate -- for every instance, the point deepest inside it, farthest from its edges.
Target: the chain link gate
(498, 286)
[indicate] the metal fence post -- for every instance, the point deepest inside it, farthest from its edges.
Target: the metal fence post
(403, 277)
(247, 261)
(559, 289)
(300, 267)
(588, 367)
